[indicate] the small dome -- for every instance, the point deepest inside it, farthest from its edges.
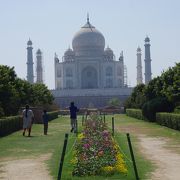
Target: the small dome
(69, 55)
(29, 42)
(69, 52)
(88, 39)
(147, 39)
(138, 49)
(108, 51)
(38, 51)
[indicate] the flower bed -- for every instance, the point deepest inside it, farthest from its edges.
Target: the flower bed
(96, 152)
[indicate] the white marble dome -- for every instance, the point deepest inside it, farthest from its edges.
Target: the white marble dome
(69, 52)
(69, 55)
(109, 55)
(108, 51)
(88, 41)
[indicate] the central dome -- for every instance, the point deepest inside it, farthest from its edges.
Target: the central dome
(88, 41)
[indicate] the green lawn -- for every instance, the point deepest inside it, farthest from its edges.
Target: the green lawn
(16, 146)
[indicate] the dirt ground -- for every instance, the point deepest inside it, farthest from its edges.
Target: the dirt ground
(160, 151)
(29, 169)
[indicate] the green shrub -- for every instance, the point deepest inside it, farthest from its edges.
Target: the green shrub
(177, 110)
(170, 120)
(53, 115)
(1, 111)
(10, 124)
(156, 105)
(136, 113)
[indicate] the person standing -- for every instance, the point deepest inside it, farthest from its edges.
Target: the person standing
(73, 116)
(45, 117)
(28, 118)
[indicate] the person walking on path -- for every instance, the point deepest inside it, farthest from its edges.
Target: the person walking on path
(73, 116)
(28, 118)
(45, 117)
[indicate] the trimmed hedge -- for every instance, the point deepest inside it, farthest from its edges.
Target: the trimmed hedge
(170, 120)
(53, 115)
(177, 110)
(10, 124)
(136, 113)
(160, 104)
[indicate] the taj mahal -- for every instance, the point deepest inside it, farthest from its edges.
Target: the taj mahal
(90, 75)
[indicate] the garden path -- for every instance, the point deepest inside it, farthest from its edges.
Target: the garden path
(166, 160)
(25, 169)
(159, 150)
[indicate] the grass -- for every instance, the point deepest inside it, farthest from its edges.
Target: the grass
(15, 146)
(147, 128)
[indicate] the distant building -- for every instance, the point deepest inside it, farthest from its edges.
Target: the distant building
(139, 67)
(30, 72)
(147, 60)
(39, 67)
(89, 72)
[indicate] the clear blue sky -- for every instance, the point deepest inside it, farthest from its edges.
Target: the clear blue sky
(51, 25)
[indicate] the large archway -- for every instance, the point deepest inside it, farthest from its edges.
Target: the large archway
(89, 78)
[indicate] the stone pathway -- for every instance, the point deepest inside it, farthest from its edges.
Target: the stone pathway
(29, 169)
(166, 160)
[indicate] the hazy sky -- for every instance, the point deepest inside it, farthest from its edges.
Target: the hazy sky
(51, 25)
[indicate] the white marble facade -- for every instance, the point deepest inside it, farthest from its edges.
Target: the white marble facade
(88, 65)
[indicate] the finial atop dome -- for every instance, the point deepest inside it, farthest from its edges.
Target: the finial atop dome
(138, 49)
(147, 39)
(29, 42)
(38, 52)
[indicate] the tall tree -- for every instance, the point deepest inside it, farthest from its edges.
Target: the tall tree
(9, 98)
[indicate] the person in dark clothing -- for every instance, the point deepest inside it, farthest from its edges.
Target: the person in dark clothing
(45, 121)
(73, 116)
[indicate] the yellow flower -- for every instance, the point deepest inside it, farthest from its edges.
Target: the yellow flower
(121, 168)
(74, 160)
(120, 164)
(80, 136)
(108, 169)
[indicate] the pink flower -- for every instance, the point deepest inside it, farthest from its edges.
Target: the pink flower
(86, 146)
(105, 133)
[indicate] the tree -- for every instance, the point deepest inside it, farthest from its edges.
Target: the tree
(160, 104)
(165, 86)
(171, 84)
(15, 92)
(41, 95)
(114, 102)
(9, 98)
(137, 98)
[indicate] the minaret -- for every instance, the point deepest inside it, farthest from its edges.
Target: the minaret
(30, 73)
(56, 61)
(39, 68)
(123, 69)
(147, 60)
(139, 67)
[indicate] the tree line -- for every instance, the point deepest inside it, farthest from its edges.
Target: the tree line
(16, 93)
(161, 94)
